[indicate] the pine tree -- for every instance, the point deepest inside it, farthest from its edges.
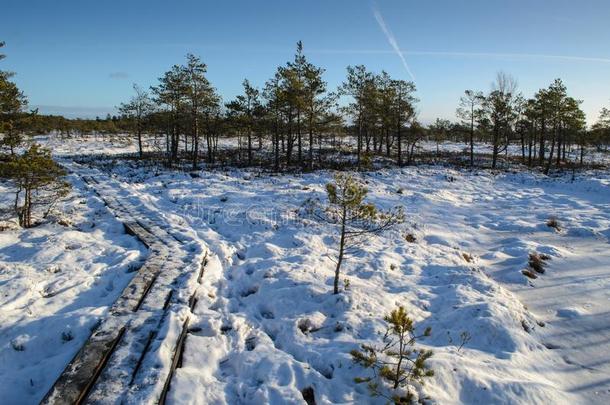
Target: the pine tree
(405, 110)
(138, 110)
(315, 104)
(38, 180)
(171, 93)
(356, 220)
(439, 130)
(12, 104)
(396, 364)
(246, 109)
(601, 129)
(273, 95)
(355, 86)
(202, 101)
(469, 110)
(298, 89)
(499, 113)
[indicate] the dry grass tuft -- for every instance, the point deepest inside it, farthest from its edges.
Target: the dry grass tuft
(536, 262)
(529, 274)
(552, 222)
(468, 257)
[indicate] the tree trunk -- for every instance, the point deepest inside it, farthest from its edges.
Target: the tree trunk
(399, 139)
(541, 149)
(472, 137)
(550, 160)
(310, 145)
(494, 158)
(276, 145)
(299, 146)
(249, 147)
(140, 141)
(387, 142)
(359, 141)
(341, 250)
(559, 144)
(195, 143)
(397, 374)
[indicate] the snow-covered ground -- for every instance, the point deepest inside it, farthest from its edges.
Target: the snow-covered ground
(277, 273)
(267, 326)
(125, 143)
(56, 282)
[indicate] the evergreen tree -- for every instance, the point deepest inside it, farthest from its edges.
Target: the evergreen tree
(355, 86)
(382, 101)
(138, 110)
(38, 180)
(397, 363)
(499, 110)
(601, 128)
(202, 100)
(246, 110)
(469, 110)
(356, 220)
(12, 104)
(316, 105)
(296, 70)
(405, 110)
(171, 93)
(273, 95)
(439, 131)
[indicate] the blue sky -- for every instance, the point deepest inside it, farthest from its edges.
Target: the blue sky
(80, 58)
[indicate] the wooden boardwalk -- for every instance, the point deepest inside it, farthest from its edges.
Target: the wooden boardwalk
(132, 354)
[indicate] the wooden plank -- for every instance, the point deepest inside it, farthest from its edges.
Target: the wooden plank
(78, 378)
(176, 362)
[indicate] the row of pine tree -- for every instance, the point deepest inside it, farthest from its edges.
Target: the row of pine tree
(296, 122)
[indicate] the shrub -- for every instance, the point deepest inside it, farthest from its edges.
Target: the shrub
(67, 336)
(397, 363)
(552, 222)
(366, 162)
(468, 257)
(529, 274)
(536, 262)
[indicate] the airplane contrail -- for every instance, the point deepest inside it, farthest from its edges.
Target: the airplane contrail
(392, 40)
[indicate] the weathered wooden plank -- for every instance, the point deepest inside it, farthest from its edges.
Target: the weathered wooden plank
(78, 378)
(176, 361)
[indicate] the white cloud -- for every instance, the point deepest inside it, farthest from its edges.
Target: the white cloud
(118, 75)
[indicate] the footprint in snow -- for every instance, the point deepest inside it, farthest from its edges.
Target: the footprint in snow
(251, 343)
(267, 314)
(249, 291)
(567, 313)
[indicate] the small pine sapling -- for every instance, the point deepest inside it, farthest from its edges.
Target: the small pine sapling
(355, 219)
(464, 338)
(397, 363)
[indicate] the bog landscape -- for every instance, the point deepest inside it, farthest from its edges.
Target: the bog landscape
(322, 221)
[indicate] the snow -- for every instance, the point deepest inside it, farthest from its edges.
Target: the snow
(56, 282)
(266, 324)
